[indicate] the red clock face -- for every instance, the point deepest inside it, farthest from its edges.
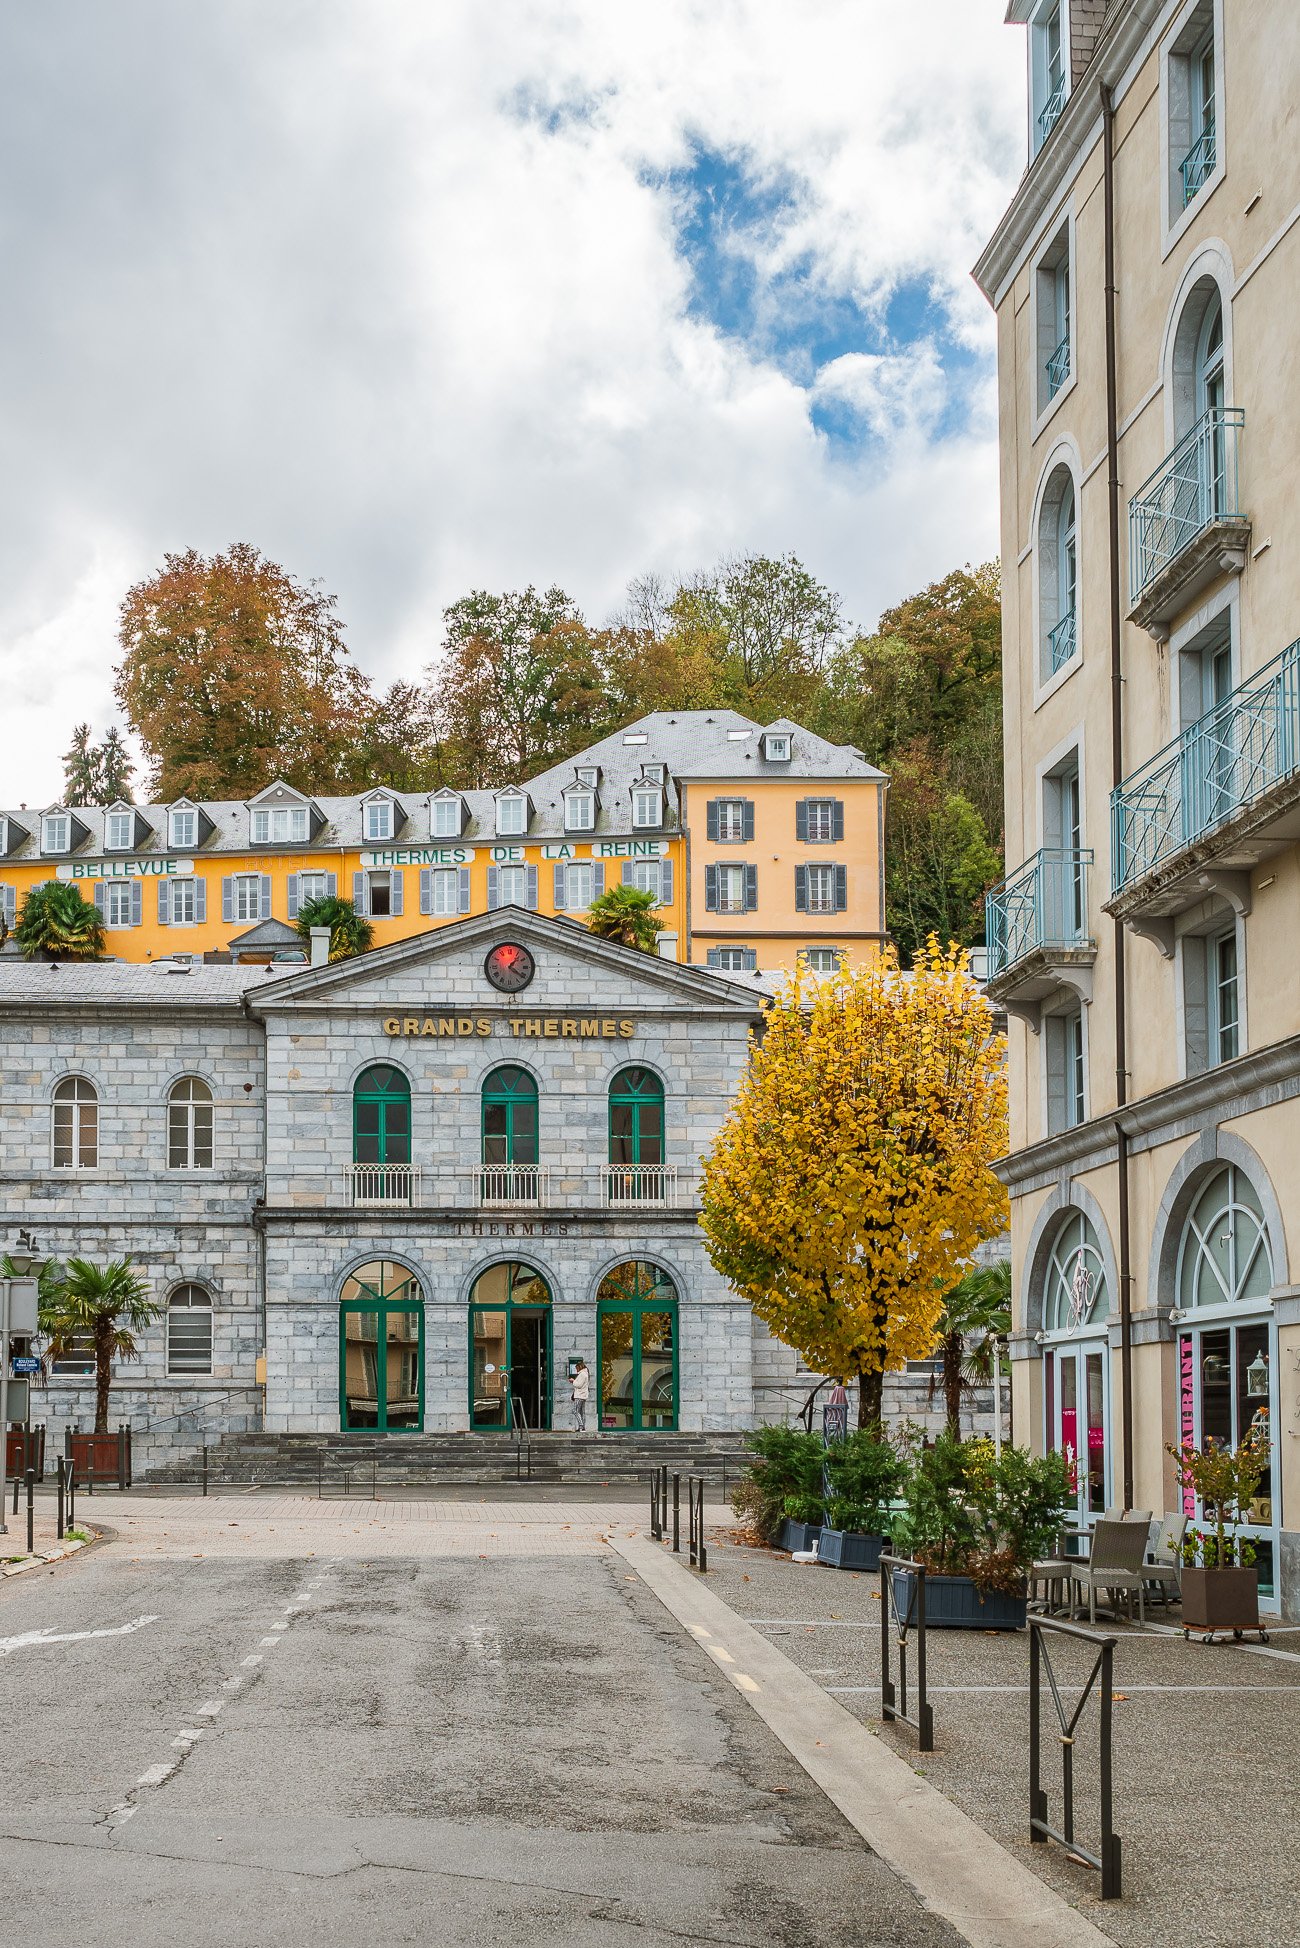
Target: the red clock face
(510, 967)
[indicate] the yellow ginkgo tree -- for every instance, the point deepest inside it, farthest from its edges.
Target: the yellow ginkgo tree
(852, 1181)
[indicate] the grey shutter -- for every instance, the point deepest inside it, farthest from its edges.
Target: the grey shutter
(164, 903)
(295, 884)
(494, 887)
(266, 895)
(559, 886)
(598, 880)
(331, 886)
(426, 889)
(396, 895)
(751, 958)
(751, 888)
(1055, 1053)
(8, 903)
(1196, 1008)
(627, 872)
(200, 899)
(137, 903)
(228, 898)
(530, 888)
(838, 820)
(801, 820)
(359, 887)
(100, 891)
(710, 889)
(841, 888)
(748, 804)
(801, 889)
(665, 882)
(711, 820)
(463, 889)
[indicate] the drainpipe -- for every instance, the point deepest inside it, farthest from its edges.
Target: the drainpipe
(1116, 777)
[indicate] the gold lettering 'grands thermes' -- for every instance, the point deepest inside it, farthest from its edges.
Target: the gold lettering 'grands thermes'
(545, 1027)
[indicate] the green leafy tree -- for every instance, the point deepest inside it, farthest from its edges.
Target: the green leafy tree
(938, 862)
(977, 1309)
(101, 1308)
(768, 626)
(57, 922)
(628, 916)
(350, 932)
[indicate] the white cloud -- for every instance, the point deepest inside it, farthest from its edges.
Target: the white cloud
(395, 293)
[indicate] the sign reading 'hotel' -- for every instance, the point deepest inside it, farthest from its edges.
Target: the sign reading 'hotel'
(549, 1028)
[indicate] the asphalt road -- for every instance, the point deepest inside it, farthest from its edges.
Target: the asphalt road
(434, 1750)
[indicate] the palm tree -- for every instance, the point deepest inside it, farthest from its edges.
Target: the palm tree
(58, 922)
(350, 933)
(980, 1303)
(106, 1305)
(627, 916)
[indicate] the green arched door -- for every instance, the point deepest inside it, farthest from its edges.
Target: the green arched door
(636, 1347)
(381, 1350)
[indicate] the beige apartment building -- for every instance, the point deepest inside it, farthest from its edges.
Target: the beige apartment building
(1146, 940)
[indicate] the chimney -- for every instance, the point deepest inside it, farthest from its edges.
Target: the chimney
(320, 946)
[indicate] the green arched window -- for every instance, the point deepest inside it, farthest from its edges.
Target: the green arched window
(509, 1118)
(636, 1117)
(381, 1116)
(636, 1347)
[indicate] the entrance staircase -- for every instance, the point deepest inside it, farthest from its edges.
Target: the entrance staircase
(356, 1462)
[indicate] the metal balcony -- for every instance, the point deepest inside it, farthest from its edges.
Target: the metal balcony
(511, 1187)
(1058, 367)
(1036, 928)
(1050, 113)
(1223, 795)
(1185, 523)
(1061, 642)
(1197, 165)
(639, 1183)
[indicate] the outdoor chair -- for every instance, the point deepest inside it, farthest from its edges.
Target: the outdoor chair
(1164, 1573)
(1056, 1574)
(1116, 1563)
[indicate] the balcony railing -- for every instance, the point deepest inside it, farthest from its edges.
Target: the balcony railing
(1196, 485)
(1198, 165)
(1061, 642)
(1222, 763)
(496, 1187)
(1043, 904)
(1058, 367)
(1050, 114)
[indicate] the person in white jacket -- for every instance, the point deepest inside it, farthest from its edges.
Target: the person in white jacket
(580, 1394)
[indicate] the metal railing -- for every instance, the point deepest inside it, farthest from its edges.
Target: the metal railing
(508, 1186)
(1044, 903)
(1050, 114)
(514, 1183)
(1195, 485)
(1061, 642)
(380, 1185)
(1197, 165)
(638, 1183)
(897, 1623)
(1107, 1858)
(1058, 367)
(1223, 762)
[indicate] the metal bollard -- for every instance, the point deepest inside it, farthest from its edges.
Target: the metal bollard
(31, 1511)
(205, 1470)
(677, 1515)
(61, 1491)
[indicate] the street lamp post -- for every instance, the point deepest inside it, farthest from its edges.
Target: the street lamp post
(18, 1314)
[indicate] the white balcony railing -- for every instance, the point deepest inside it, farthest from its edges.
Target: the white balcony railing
(382, 1185)
(514, 1183)
(516, 1186)
(639, 1183)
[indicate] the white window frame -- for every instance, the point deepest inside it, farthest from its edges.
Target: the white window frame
(512, 816)
(777, 747)
(579, 886)
(822, 960)
(647, 876)
(246, 897)
(181, 891)
(56, 833)
(191, 1119)
(647, 805)
(445, 892)
(729, 808)
(292, 819)
(379, 818)
(1198, 19)
(1055, 259)
(1041, 84)
(731, 960)
(824, 811)
(1199, 932)
(185, 1306)
(183, 829)
(116, 820)
(508, 893)
(117, 903)
(820, 872)
(732, 873)
(380, 881)
(446, 818)
(579, 811)
(79, 1123)
(307, 888)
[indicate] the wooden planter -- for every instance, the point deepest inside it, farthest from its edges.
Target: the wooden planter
(849, 1549)
(955, 1603)
(798, 1535)
(100, 1458)
(1220, 1600)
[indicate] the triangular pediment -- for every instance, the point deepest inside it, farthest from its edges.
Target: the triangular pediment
(574, 971)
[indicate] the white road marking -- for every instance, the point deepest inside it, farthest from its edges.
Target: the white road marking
(746, 1683)
(210, 1710)
(269, 1643)
(49, 1636)
(249, 1662)
(157, 1773)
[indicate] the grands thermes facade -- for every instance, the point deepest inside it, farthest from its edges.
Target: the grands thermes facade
(393, 1180)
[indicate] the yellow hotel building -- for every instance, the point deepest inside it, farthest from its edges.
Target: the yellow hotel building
(763, 844)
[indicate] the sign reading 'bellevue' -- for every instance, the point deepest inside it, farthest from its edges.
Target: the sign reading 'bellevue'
(544, 1027)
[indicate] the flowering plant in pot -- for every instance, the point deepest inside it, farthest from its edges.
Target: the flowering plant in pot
(865, 1474)
(1220, 1584)
(779, 1493)
(977, 1521)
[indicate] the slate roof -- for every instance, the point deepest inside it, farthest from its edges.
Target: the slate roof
(692, 744)
(26, 983)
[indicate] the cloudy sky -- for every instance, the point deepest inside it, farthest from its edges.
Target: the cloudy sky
(419, 298)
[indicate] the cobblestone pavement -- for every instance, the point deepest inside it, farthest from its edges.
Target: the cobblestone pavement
(305, 1724)
(1207, 1786)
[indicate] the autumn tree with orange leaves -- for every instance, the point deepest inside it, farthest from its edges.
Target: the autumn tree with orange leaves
(850, 1185)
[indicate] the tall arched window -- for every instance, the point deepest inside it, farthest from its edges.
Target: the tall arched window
(381, 1136)
(1078, 1293)
(510, 1172)
(1058, 574)
(381, 1349)
(1076, 1303)
(189, 1330)
(189, 1125)
(76, 1124)
(636, 1135)
(636, 1326)
(1224, 1257)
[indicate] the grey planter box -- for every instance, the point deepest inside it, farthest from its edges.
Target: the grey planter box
(954, 1603)
(798, 1535)
(847, 1549)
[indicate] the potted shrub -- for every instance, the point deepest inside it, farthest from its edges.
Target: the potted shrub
(978, 1520)
(866, 1474)
(787, 1468)
(1220, 1584)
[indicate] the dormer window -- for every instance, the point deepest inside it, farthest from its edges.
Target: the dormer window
(656, 773)
(647, 805)
(183, 829)
(579, 811)
(379, 818)
(589, 775)
(119, 831)
(56, 832)
(447, 813)
(1050, 83)
(280, 825)
(776, 746)
(512, 820)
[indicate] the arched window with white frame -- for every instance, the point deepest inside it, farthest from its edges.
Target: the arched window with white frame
(1058, 574)
(76, 1124)
(189, 1330)
(189, 1125)
(1076, 1355)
